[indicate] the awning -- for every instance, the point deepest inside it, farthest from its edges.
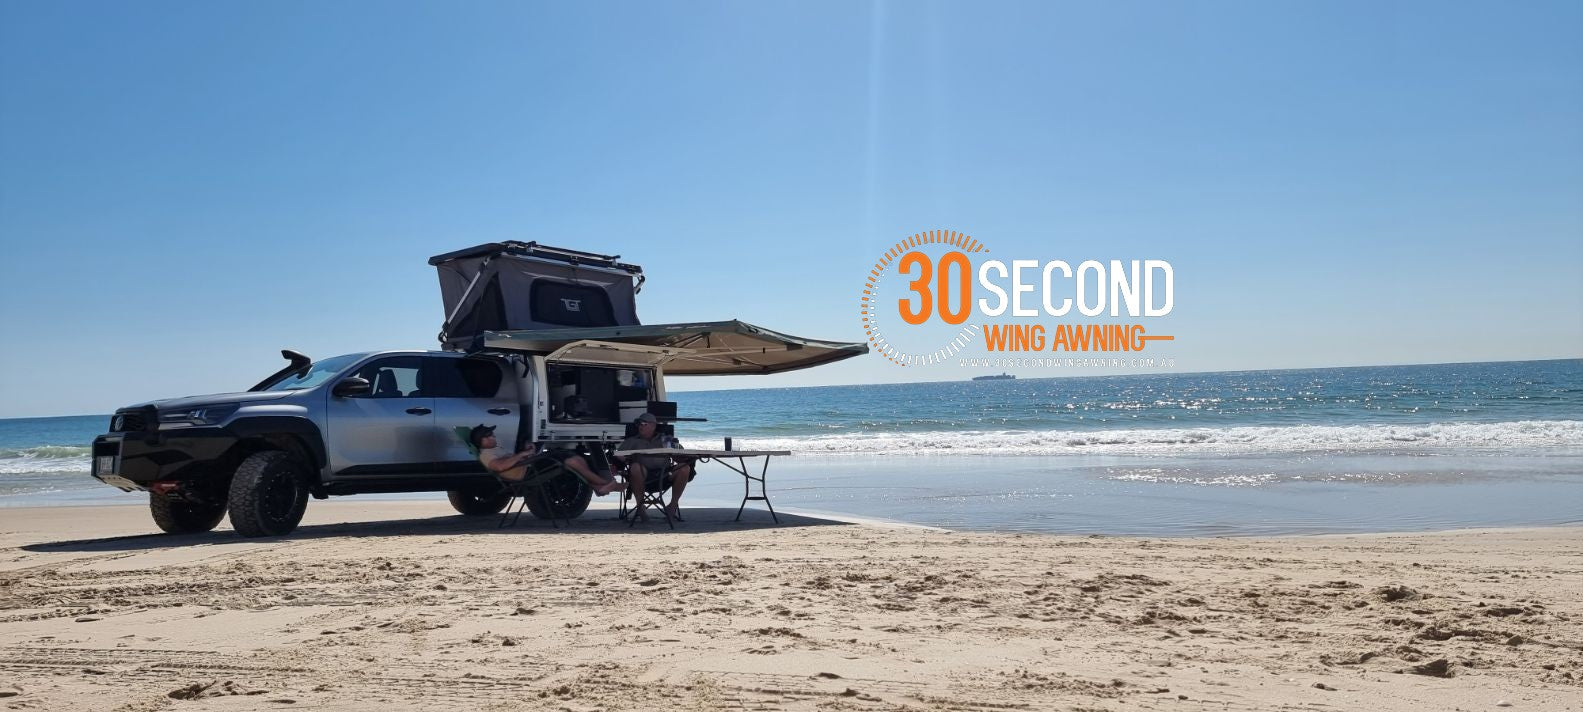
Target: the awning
(701, 349)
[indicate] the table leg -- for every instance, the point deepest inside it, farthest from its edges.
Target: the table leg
(763, 489)
(747, 487)
(745, 491)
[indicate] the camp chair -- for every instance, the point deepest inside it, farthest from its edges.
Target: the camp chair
(540, 472)
(655, 485)
(652, 496)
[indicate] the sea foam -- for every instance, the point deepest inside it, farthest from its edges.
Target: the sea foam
(1463, 437)
(44, 459)
(1467, 437)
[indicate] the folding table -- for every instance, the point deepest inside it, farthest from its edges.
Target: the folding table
(724, 457)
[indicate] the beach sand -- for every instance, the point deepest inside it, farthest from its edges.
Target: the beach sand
(402, 605)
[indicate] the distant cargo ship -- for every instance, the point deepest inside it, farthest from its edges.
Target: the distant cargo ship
(1001, 377)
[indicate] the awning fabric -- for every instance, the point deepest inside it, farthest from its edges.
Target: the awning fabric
(702, 348)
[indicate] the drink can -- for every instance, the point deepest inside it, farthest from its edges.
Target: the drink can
(728, 442)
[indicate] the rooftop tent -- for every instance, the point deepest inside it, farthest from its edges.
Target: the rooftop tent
(695, 349)
(525, 286)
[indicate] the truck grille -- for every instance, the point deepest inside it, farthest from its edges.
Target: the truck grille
(129, 421)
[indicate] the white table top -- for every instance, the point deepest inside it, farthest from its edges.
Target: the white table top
(683, 452)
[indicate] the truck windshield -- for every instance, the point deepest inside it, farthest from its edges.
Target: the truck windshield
(319, 372)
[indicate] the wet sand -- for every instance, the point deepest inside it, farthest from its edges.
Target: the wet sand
(401, 605)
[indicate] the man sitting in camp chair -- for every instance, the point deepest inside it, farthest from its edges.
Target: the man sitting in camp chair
(655, 469)
(513, 466)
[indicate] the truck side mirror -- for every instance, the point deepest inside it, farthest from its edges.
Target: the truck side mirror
(352, 386)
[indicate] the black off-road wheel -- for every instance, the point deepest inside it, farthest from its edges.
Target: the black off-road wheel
(478, 503)
(175, 515)
(268, 494)
(568, 494)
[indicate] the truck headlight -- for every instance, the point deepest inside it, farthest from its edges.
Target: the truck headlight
(202, 415)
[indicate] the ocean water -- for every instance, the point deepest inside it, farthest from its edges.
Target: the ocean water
(1257, 452)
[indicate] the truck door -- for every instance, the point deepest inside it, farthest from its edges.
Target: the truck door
(469, 392)
(387, 431)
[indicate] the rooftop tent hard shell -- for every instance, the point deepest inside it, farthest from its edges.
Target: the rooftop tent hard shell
(525, 286)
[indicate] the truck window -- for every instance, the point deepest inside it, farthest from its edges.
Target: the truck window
(596, 394)
(394, 377)
(462, 378)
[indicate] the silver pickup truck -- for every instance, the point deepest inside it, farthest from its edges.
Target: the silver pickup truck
(541, 342)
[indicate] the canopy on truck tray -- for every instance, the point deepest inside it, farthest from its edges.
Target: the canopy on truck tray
(501, 286)
(696, 349)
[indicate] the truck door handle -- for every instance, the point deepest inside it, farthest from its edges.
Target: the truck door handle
(419, 411)
(500, 411)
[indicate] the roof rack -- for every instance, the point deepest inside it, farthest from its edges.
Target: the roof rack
(514, 248)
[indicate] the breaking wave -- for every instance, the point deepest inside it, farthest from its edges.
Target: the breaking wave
(1524, 434)
(44, 459)
(1550, 435)
(44, 451)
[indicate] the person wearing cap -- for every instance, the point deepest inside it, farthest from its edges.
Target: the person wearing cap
(512, 465)
(639, 467)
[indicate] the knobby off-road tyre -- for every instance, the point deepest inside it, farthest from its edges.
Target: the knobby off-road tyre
(177, 516)
(474, 503)
(568, 494)
(268, 494)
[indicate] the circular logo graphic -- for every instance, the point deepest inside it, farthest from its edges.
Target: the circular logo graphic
(904, 316)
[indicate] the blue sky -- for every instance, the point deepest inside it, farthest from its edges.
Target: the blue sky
(187, 187)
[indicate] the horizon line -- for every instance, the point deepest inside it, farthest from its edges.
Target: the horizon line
(1153, 373)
